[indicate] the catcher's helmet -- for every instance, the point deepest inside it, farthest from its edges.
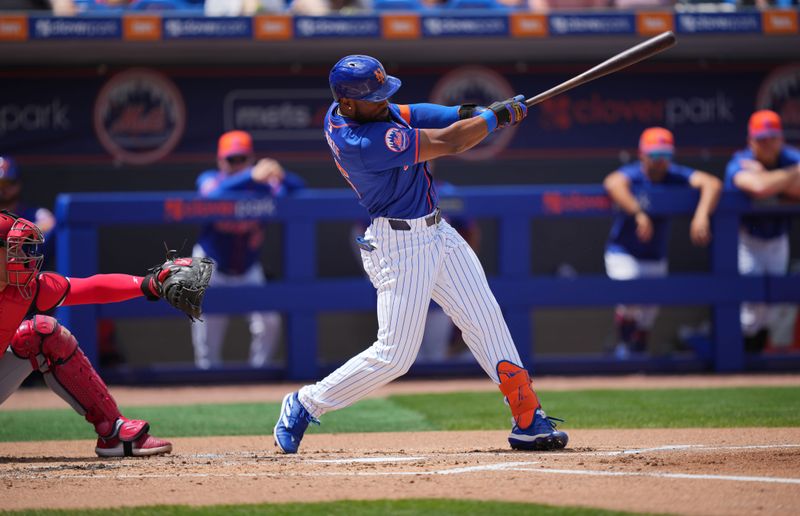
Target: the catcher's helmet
(361, 78)
(21, 238)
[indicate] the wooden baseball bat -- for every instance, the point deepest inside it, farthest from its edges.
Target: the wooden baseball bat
(622, 60)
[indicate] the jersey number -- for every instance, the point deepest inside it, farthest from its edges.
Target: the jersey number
(346, 177)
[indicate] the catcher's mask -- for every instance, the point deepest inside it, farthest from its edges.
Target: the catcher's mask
(22, 239)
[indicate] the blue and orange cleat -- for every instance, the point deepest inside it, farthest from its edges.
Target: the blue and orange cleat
(540, 435)
(292, 424)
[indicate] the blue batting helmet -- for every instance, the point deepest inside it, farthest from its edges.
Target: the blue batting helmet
(361, 78)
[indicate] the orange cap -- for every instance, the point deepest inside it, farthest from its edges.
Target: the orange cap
(656, 139)
(764, 124)
(235, 143)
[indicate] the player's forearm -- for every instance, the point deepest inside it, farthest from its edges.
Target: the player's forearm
(619, 192)
(103, 288)
(454, 139)
(239, 181)
(710, 194)
(793, 190)
(626, 202)
(764, 185)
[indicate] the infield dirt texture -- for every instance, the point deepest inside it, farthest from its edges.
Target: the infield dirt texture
(680, 471)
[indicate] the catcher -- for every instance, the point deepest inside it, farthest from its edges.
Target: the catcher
(40, 342)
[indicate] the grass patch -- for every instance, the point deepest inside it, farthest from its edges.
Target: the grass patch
(655, 408)
(663, 408)
(342, 508)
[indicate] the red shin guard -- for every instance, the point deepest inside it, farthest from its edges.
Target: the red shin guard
(75, 378)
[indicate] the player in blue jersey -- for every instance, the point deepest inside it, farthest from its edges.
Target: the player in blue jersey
(637, 245)
(767, 168)
(409, 253)
(10, 193)
(235, 246)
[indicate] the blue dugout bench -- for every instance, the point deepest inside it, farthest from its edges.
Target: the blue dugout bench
(301, 295)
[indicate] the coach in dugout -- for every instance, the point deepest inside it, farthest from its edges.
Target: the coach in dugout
(235, 245)
(637, 245)
(768, 167)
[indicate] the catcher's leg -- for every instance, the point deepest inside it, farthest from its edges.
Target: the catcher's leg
(53, 350)
(13, 371)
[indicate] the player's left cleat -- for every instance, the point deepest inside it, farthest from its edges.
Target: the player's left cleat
(292, 424)
(541, 435)
(132, 440)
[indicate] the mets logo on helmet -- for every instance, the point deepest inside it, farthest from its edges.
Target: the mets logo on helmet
(396, 140)
(380, 75)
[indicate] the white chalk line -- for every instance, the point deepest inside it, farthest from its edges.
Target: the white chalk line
(685, 476)
(679, 447)
(368, 460)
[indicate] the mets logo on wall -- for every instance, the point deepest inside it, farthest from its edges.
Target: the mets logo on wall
(780, 92)
(396, 139)
(139, 116)
(476, 85)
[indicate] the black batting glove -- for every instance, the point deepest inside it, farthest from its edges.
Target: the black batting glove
(510, 111)
(469, 110)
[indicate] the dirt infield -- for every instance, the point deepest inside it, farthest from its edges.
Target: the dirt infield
(679, 471)
(725, 472)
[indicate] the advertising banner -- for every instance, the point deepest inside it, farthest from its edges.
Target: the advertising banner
(143, 115)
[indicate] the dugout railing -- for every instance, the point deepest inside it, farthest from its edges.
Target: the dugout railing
(300, 294)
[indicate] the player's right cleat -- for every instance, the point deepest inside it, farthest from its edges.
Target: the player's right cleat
(292, 424)
(541, 435)
(132, 440)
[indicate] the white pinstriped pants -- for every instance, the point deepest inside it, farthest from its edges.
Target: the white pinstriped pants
(408, 268)
(761, 257)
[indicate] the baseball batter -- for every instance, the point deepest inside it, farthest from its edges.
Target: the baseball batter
(41, 343)
(409, 253)
(637, 245)
(768, 167)
(235, 245)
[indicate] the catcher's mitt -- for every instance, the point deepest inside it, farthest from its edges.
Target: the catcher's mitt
(181, 282)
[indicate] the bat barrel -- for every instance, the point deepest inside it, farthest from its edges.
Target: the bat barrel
(622, 60)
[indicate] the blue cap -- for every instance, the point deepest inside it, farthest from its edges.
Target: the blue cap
(8, 169)
(362, 78)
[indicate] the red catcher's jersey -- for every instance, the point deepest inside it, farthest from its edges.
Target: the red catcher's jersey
(49, 290)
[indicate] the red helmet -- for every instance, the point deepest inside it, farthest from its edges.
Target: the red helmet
(21, 238)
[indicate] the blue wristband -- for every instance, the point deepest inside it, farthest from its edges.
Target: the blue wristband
(491, 120)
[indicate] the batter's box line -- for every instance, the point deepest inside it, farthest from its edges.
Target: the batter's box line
(683, 476)
(687, 447)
